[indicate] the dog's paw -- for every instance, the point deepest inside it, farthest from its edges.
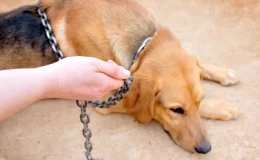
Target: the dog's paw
(228, 78)
(218, 110)
(103, 111)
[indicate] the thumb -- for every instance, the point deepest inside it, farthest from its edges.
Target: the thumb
(111, 69)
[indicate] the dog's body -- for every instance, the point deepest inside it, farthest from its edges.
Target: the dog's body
(23, 41)
(166, 84)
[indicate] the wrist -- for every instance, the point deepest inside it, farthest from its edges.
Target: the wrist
(47, 82)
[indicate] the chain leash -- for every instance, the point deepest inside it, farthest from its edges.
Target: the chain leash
(50, 35)
(84, 117)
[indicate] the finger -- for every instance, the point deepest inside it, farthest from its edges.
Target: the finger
(107, 83)
(112, 62)
(113, 70)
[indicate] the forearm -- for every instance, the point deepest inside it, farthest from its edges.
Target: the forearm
(20, 88)
(81, 78)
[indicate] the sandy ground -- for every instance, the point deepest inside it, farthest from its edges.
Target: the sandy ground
(225, 33)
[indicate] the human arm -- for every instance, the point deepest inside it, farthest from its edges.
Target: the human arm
(74, 78)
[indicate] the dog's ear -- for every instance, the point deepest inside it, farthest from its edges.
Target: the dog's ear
(140, 101)
(194, 79)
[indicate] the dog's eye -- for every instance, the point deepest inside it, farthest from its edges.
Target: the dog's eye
(178, 110)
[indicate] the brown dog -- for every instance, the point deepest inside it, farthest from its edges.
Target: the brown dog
(166, 84)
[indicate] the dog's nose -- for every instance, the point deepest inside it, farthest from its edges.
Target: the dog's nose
(203, 147)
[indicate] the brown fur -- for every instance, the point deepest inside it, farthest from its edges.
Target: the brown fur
(166, 77)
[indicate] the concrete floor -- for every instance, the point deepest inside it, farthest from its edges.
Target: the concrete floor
(225, 33)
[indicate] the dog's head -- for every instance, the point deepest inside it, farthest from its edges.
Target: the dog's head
(167, 89)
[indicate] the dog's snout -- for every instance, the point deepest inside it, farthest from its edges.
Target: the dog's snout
(203, 147)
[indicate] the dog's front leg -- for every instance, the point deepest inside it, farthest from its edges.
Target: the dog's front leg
(217, 109)
(221, 75)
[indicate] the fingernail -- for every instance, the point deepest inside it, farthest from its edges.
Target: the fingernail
(125, 72)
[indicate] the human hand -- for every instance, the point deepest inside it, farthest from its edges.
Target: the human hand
(84, 78)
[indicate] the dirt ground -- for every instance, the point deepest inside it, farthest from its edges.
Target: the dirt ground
(225, 33)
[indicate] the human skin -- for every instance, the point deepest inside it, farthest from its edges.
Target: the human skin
(80, 78)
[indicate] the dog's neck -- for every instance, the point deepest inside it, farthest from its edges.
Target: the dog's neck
(99, 37)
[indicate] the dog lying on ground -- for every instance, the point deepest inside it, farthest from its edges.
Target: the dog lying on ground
(166, 85)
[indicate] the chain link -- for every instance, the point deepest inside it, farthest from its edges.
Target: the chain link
(84, 117)
(50, 35)
(119, 95)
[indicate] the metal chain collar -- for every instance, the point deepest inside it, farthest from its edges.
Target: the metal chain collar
(119, 94)
(49, 34)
